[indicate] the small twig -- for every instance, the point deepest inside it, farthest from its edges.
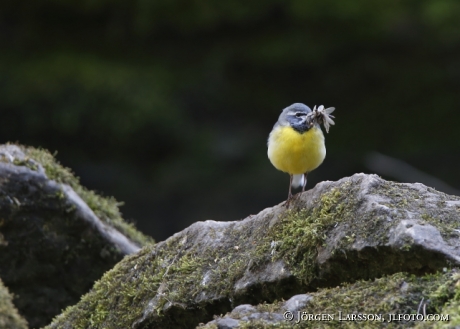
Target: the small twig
(420, 305)
(167, 269)
(162, 285)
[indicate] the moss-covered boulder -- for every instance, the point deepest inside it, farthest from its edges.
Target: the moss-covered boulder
(358, 228)
(9, 316)
(56, 237)
(395, 301)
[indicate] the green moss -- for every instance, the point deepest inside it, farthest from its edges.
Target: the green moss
(453, 309)
(106, 208)
(399, 293)
(9, 316)
(299, 233)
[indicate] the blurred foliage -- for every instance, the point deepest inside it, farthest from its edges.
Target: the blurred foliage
(168, 104)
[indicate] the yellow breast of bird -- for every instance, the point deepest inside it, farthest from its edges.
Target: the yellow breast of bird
(294, 152)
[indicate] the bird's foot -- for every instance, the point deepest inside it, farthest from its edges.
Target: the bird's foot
(287, 202)
(291, 198)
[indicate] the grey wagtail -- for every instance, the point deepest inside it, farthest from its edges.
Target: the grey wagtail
(296, 143)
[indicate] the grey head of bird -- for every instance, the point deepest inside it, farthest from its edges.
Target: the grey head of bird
(296, 116)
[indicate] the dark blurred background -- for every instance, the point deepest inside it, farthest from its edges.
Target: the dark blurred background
(167, 104)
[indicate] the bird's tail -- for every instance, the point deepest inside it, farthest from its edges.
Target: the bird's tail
(298, 180)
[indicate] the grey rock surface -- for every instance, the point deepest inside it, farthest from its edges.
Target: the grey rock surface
(358, 228)
(247, 313)
(227, 323)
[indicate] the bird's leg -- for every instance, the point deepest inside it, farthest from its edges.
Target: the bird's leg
(290, 193)
(305, 182)
(290, 187)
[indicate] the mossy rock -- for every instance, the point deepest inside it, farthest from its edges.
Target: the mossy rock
(359, 228)
(9, 316)
(395, 301)
(56, 237)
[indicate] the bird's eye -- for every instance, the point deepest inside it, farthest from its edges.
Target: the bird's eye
(299, 114)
